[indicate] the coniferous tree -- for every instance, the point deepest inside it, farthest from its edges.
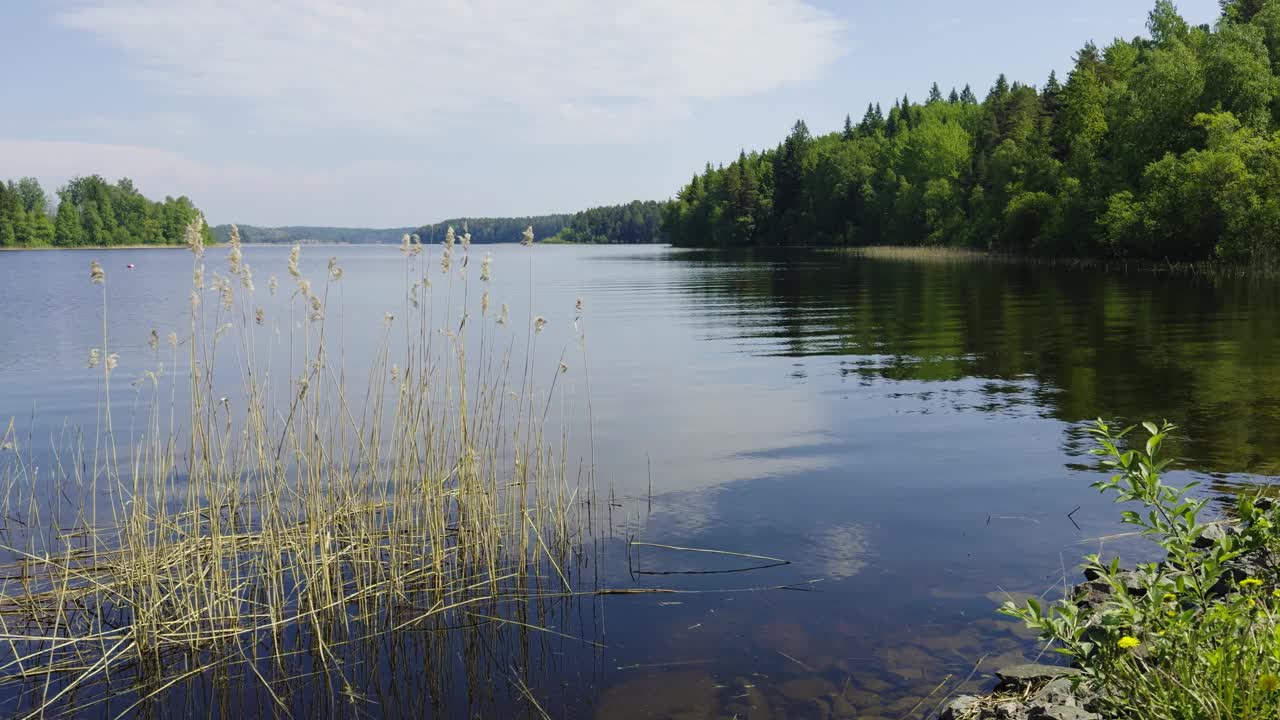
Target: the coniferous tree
(789, 180)
(954, 97)
(1241, 10)
(1000, 89)
(872, 121)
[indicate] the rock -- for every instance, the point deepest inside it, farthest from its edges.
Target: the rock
(1091, 594)
(1012, 711)
(1061, 712)
(1213, 532)
(964, 707)
(1134, 582)
(1059, 691)
(1239, 568)
(1024, 677)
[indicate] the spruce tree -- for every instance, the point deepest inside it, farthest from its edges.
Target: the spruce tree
(1051, 97)
(788, 177)
(954, 97)
(1000, 89)
(871, 121)
(1241, 11)
(935, 94)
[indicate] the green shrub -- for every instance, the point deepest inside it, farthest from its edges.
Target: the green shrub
(1185, 638)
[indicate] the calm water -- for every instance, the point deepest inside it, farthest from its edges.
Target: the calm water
(908, 433)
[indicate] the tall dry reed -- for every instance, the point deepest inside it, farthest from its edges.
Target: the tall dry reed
(264, 533)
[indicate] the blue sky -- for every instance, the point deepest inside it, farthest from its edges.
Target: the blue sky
(402, 112)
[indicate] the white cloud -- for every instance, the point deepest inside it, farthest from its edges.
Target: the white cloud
(409, 65)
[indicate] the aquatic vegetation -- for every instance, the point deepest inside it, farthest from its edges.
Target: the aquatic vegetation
(1195, 636)
(303, 528)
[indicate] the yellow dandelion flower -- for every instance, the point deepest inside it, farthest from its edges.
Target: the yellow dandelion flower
(1170, 597)
(1275, 593)
(1128, 642)
(1250, 583)
(1269, 683)
(1251, 602)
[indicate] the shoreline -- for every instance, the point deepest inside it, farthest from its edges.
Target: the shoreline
(96, 247)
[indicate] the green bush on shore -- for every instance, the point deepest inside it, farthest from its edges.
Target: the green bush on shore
(1199, 635)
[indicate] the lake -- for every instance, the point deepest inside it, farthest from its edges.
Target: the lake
(908, 433)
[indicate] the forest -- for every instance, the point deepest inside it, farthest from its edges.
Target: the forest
(495, 230)
(639, 221)
(91, 212)
(635, 222)
(293, 234)
(1160, 147)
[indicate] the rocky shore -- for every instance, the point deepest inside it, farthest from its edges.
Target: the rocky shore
(1049, 692)
(1027, 692)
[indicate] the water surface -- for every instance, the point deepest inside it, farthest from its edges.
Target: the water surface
(908, 434)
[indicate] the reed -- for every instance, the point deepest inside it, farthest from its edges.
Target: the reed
(262, 535)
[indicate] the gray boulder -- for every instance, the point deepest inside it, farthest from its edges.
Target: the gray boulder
(964, 707)
(1028, 676)
(1061, 712)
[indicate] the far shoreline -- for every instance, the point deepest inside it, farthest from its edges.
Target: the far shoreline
(96, 247)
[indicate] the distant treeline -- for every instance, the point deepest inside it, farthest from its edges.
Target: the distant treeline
(496, 230)
(639, 221)
(92, 211)
(1153, 147)
(303, 234)
(635, 222)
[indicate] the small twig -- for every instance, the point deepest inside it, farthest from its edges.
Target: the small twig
(806, 667)
(674, 663)
(714, 552)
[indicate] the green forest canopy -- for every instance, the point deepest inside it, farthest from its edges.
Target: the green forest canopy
(495, 230)
(1156, 147)
(294, 234)
(639, 221)
(92, 211)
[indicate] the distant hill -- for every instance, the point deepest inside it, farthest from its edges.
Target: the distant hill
(495, 230)
(483, 230)
(294, 234)
(631, 223)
